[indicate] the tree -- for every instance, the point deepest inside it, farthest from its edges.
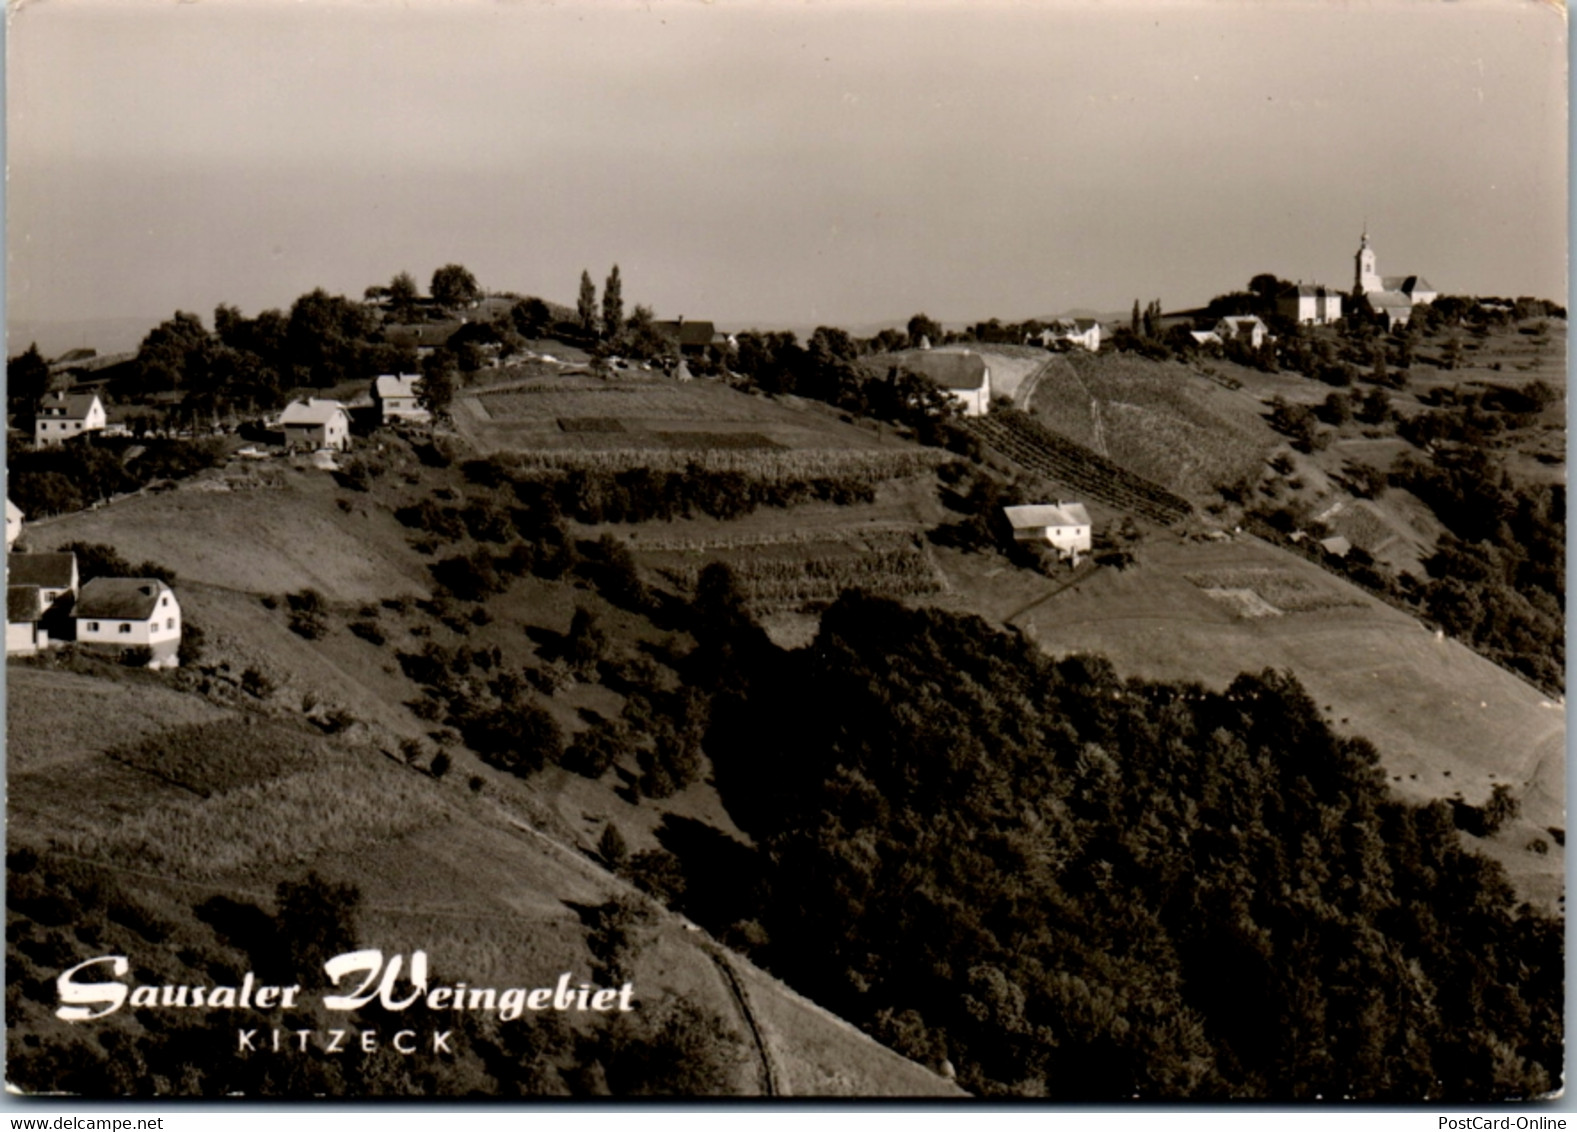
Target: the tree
(612, 305)
(454, 286)
(586, 305)
(612, 848)
(27, 378)
(531, 317)
(1133, 323)
(316, 921)
(922, 326)
(436, 391)
(401, 294)
(586, 644)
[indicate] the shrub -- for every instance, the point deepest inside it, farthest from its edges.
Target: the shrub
(255, 683)
(520, 738)
(440, 765)
(596, 750)
(368, 631)
(312, 626)
(138, 656)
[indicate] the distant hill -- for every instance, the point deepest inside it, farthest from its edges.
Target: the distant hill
(56, 336)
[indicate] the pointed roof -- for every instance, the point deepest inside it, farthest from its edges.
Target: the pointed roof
(310, 413)
(388, 385)
(948, 368)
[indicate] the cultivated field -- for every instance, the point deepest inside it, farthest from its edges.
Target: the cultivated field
(1447, 722)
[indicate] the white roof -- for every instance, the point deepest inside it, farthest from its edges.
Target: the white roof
(1047, 515)
(389, 385)
(310, 412)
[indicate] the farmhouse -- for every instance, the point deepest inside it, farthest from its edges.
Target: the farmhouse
(690, 337)
(394, 396)
(962, 374)
(53, 575)
(315, 423)
(13, 523)
(64, 415)
(24, 614)
(1082, 332)
(1065, 526)
(1310, 304)
(123, 613)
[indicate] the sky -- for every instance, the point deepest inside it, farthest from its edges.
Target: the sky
(776, 163)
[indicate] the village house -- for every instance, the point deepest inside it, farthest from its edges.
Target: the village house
(25, 633)
(962, 374)
(394, 396)
(61, 416)
(1082, 332)
(122, 613)
(1309, 304)
(13, 523)
(690, 337)
(55, 576)
(315, 424)
(1065, 526)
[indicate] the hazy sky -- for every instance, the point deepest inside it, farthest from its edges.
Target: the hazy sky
(787, 162)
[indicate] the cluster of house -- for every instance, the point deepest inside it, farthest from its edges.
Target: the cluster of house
(1392, 297)
(46, 605)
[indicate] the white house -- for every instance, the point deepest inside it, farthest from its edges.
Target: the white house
(24, 612)
(962, 374)
(1248, 328)
(1065, 526)
(53, 575)
(129, 613)
(61, 416)
(1310, 304)
(315, 423)
(13, 523)
(394, 396)
(1082, 332)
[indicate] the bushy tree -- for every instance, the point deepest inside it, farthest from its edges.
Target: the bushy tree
(27, 379)
(612, 305)
(454, 286)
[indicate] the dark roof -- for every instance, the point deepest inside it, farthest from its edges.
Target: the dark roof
(51, 571)
(71, 406)
(1309, 290)
(1406, 283)
(23, 603)
(1388, 300)
(949, 369)
(120, 599)
(687, 333)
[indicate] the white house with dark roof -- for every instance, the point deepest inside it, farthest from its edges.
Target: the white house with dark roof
(61, 416)
(395, 397)
(1082, 332)
(54, 576)
(25, 633)
(124, 613)
(316, 423)
(963, 374)
(1065, 526)
(1310, 304)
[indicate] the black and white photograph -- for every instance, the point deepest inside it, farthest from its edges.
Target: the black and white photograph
(973, 553)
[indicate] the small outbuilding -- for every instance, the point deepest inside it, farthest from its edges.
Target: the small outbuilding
(25, 633)
(1065, 526)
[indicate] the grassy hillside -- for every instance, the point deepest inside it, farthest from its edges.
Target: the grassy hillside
(285, 753)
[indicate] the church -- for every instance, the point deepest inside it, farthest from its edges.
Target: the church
(1393, 297)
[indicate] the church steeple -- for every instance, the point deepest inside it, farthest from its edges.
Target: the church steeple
(1366, 276)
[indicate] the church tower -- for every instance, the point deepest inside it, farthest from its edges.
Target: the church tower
(1366, 280)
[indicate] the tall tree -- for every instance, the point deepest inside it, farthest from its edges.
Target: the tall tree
(402, 293)
(586, 304)
(27, 378)
(436, 390)
(454, 286)
(1134, 323)
(923, 326)
(612, 305)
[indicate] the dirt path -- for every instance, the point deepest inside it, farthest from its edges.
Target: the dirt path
(771, 1085)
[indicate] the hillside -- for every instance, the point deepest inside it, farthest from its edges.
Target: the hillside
(322, 767)
(444, 680)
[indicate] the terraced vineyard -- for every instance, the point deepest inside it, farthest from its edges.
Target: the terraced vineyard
(1035, 448)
